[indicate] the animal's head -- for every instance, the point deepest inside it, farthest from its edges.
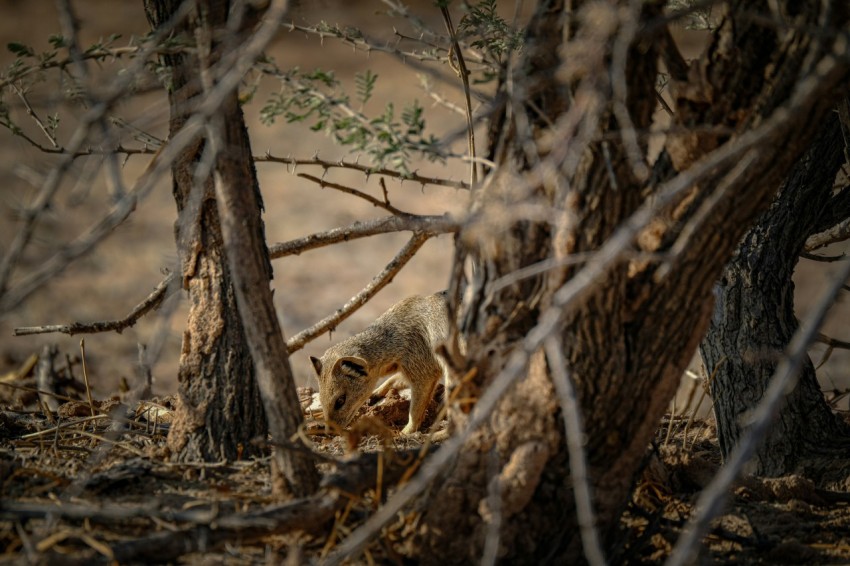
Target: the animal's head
(344, 385)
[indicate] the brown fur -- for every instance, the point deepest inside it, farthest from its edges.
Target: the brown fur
(400, 345)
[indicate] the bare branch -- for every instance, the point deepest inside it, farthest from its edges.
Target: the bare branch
(432, 225)
(571, 413)
(837, 233)
(823, 258)
(160, 292)
(832, 342)
(326, 165)
(379, 282)
(385, 204)
(54, 178)
(628, 28)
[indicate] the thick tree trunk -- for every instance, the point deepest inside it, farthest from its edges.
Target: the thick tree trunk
(220, 410)
(754, 320)
(630, 338)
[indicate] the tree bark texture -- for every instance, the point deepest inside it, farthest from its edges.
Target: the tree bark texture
(629, 341)
(754, 321)
(220, 410)
(248, 259)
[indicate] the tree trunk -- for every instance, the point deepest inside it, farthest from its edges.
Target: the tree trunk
(560, 147)
(248, 259)
(754, 321)
(220, 410)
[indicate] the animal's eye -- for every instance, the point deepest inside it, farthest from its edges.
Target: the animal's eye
(340, 401)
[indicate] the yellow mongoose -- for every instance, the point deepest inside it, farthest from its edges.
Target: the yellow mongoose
(399, 344)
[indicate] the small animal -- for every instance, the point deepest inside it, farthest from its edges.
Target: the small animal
(400, 345)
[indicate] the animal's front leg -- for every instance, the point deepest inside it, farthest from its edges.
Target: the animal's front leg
(420, 397)
(394, 382)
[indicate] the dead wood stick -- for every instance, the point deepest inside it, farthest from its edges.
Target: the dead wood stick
(150, 303)
(365, 169)
(414, 223)
(45, 376)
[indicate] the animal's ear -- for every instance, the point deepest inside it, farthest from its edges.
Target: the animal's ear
(317, 364)
(352, 367)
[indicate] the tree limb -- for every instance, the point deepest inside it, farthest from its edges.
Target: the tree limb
(379, 282)
(432, 225)
(368, 171)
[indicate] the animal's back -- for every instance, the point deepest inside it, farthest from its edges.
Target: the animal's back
(427, 316)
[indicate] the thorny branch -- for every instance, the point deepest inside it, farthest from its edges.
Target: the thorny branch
(54, 179)
(427, 224)
(326, 165)
(385, 204)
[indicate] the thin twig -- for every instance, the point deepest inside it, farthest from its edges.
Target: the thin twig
(86, 376)
(832, 342)
(571, 413)
(352, 191)
(463, 73)
(34, 115)
(427, 224)
(823, 258)
(368, 171)
(150, 303)
(379, 282)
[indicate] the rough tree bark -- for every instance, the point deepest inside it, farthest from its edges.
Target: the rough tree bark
(628, 342)
(220, 409)
(754, 321)
(226, 268)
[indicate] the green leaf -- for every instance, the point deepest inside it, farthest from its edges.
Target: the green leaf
(57, 41)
